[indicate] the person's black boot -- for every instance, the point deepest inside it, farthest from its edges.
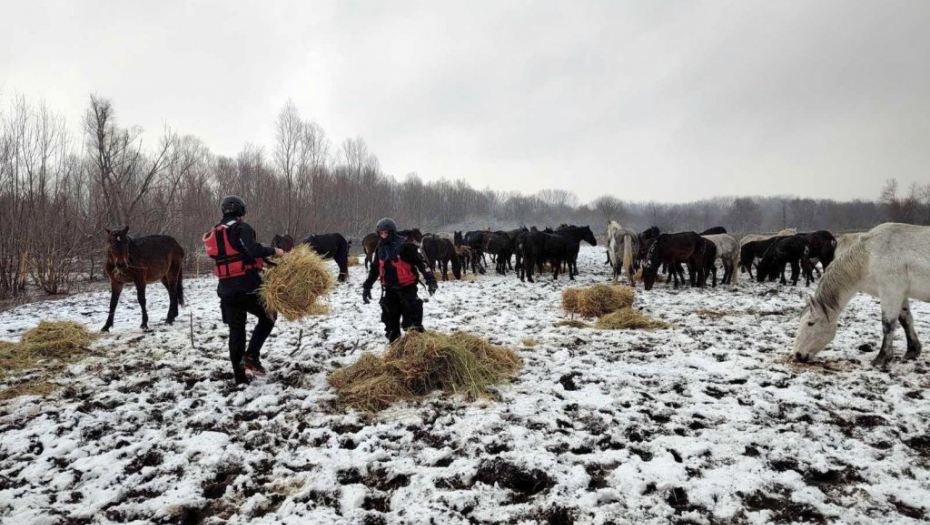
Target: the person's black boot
(252, 365)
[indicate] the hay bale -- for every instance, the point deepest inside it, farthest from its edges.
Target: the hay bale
(292, 287)
(627, 319)
(420, 363)
(353, 260)
(596, 300)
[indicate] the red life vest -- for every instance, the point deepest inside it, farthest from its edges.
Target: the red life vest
(405, 275)
(229, 261)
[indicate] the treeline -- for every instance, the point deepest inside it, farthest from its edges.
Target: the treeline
(59, 190)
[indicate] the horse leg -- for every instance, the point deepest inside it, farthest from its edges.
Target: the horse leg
(116, 288)
(907, 322)
(172, 300)
(140, 295)
(795, 272)
(891, 312)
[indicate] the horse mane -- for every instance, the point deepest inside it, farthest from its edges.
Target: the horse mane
(845, 272)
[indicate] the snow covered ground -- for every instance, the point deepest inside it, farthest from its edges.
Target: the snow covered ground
(707, 422)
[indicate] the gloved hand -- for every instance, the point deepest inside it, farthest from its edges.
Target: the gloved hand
(366, 295)
(432, 286)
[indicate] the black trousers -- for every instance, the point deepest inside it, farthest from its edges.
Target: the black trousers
(235, 310)
(401, 308)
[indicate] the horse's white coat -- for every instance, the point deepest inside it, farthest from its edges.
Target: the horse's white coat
(622, 243)
(890, 262)
(727, 251)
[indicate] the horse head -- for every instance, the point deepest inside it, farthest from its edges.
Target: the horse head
(285, 242)
(118, 247)
(588, 235)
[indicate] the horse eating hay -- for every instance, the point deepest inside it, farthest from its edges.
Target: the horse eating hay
(891, 262)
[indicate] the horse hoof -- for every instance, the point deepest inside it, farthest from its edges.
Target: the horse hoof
(911, 355)
(105, 329)
(170, 320)
(882, 362)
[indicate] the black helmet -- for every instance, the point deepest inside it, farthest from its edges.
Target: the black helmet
(386, 225)
(233, 205)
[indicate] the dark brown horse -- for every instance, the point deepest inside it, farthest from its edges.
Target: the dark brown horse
(142, 261)
(369, 245)
(441, 252)
(675, 248)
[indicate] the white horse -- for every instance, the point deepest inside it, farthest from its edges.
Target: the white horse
(728, 253)
(891, 262)
(622, 243)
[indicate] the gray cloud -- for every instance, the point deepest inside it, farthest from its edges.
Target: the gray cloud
(667, 101)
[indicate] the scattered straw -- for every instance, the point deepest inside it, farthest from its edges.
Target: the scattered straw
(626, 319)
(420, 363)
(293, 286)
(638, 277)
(530, 342)
(596, 300)
(353, 260)
(713, 314)
(574, 323)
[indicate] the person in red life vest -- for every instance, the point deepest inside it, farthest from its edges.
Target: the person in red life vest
(398, 265)
(239, 259)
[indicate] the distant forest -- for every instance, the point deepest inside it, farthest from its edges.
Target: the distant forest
(59, 190)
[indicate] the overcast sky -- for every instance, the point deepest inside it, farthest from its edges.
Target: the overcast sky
(647, 100)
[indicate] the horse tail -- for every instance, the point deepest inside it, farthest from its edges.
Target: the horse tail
(628, 256)
(180, 286)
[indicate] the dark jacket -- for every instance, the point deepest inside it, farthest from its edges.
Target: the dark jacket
(242, 237)
(408, 253)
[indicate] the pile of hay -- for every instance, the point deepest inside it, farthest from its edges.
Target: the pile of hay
(292, 287)
(573, 323)
(49, 346)
(628, 318)
(353, 260)
(420, 363)
(596, 300)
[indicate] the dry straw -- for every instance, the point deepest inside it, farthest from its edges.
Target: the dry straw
(627, 318)
(292, 287)
(420, 363)
(352, 260)
(47, 347)
(596, 300)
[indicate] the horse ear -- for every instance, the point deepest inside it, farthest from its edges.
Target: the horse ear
(125, 230)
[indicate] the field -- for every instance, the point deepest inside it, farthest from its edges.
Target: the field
(707, 422)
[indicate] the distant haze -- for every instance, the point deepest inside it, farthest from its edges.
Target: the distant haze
(666, 101)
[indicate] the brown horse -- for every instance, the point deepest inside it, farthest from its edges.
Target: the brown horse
(369, 245)
(675, 248)
(140, 262)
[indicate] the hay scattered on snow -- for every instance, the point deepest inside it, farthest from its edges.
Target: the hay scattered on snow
(574, 323)
(420, 363)
(293, 286)
(626, 319)
(352, 260)
(48, 347)
(596, 300)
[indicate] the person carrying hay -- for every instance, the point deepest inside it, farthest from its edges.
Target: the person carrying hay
(399, 264)
(239, 259)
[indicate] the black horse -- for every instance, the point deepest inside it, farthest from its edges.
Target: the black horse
(749, 252)
(539, 247)
(710, 263)
(716, 230)
(786, 250)
(328, 245)
(821, 246)
(441, 251)
(675, 248)
(576, 234)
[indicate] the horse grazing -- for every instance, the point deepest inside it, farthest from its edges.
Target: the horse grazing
(327, 245)
(716, 230)
(785, 250)
(821, 246)
(500, 245)
(441, 251)
(709, 264)
(890, 262)
(539, 247)
(674, 248)
(469, 259)
(754, 249)
(140, 262)
(728, 252)
(622, 245)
